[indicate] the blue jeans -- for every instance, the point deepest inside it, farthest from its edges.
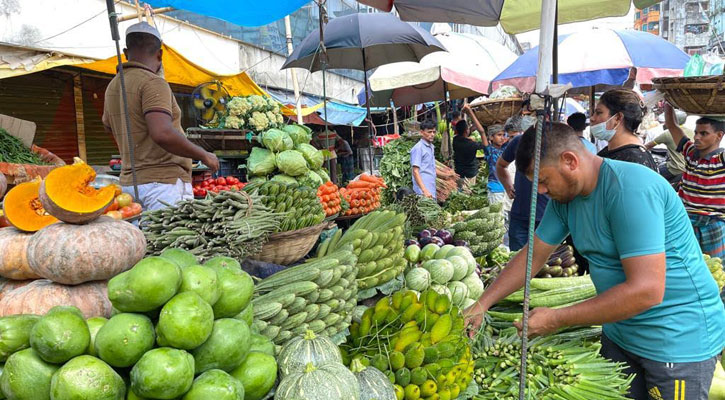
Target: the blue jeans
(518, 232)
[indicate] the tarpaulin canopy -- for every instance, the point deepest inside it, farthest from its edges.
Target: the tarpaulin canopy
(179, 70)
(245, 12)
(16, 61)
(337, 113)
(515, 16)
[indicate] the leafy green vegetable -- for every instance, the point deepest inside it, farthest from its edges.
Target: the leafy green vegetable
(284, 179)
(395, 166)
(310, 179)
(292, 163)
(323, 174)
(313, 156)
(277, 140)
(261, 162)
(298, 133)
(12, 150)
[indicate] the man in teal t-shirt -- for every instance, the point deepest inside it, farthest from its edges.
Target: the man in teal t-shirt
(657, 301)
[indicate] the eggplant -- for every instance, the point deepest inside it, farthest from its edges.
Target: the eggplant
(411, 242)
(445, 235)
(425, 233)
(438, 241)
(460, 243)
(433, 231)
(425, 240)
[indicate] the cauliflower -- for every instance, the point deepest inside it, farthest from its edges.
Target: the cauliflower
(233, 122)
(238, 107)
(259, 121)
(280, 119)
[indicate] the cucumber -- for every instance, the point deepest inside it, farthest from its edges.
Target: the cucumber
(551, 284)
(266, 311)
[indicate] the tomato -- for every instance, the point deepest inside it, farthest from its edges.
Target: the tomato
(202, 192)
(231, 180)
(126, 212)
(136, 208)
(115, 214)
(214, 189)
(221, 181)
(114, 205)
(124, 199)
(234, 188)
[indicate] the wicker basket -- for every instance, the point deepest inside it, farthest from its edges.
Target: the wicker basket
(287, 247)
(702, 95)
(496, 111)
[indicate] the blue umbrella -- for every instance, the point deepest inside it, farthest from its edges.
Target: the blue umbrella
(600, 56)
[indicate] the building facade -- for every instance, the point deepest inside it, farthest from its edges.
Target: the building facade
(686, 23)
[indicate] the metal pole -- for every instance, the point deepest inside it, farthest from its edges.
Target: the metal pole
(447, 134)
(323, 60)
(546, 43)
(371, 136)
(112, 18)
(555, 62)
(295, 84)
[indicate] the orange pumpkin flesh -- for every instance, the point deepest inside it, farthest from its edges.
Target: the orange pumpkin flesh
(66, 194)
(23, 209)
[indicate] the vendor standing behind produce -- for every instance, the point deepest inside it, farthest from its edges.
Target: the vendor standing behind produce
(673, 169)
(326, 140)
(161, 151)
(423, 161)
(656, 299)
(702, 181)
(492, 148)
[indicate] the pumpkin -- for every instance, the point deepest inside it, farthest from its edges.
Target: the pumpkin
(331, 381)
(309, 348)
(8, 285)
(3, 184)
(73, 254)
(13, 255)
(41, 295)
(66, 194)
(374, 385)
(23, 209)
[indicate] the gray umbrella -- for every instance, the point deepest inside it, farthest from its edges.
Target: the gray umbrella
(363, 42)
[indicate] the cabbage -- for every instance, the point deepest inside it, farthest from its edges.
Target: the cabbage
(418, 279)
(310, 179)
(261, 162)
(298, 133)
(284, 179)
(277, 140)
(292, 163)
(459, 292)
(313, 156)
(255, 179)
(323, 174)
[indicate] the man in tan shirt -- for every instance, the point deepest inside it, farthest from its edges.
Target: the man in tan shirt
(161, 151)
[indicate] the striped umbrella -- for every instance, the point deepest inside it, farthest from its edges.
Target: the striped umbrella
(600, 56)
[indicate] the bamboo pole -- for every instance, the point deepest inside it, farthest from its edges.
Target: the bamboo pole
(80, 120)
(295, 83)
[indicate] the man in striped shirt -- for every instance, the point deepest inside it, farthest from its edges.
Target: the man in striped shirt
(703, 182)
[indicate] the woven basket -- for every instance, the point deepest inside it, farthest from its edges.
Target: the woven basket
(287, 247)
(496, 111)
(702, 95)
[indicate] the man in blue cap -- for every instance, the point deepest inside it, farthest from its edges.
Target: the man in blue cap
(162, 154)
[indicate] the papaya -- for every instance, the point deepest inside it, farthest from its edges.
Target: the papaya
(185, 322)
(163, 373)
(180, 257)
(124, 339)
(236, 288)
(226, 347)
(257, 373)
(15, 333)
(147, 286)
(94, 325)
(202, 281)
(222, 262)
(60, 335)
(27, 376)
(86, 377)
(217, 385)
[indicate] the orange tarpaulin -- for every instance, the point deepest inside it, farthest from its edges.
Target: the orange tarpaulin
(179, 70)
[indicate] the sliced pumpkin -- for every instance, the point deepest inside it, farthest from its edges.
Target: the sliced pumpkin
(66, 193)
(23, 209)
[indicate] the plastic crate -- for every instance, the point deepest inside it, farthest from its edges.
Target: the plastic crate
(230, 167)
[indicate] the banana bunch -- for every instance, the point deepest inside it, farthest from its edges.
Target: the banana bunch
(483, 231)
(377, 240)
(420, 343)
(318, 295)
(714, 264)
(300, 203)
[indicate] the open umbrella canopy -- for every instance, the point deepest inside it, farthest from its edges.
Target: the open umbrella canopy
(467, 69)
(516, 16)
(600, 56)
(245, 13)
(363, 42)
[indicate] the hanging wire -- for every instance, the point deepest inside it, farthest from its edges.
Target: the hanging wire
(541, 126)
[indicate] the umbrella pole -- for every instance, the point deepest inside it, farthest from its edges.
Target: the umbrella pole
(113, 19)
(546, 43)
(369, 118)
(447, 134)
(555, 63)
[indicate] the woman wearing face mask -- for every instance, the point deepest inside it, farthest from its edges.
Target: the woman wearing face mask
(615, 120)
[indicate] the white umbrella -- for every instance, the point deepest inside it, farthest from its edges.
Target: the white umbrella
(465, 70)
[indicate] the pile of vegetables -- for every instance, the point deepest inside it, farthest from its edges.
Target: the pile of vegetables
(419, 343)
(558, 367)
(422, 213)
(561, 263)
(12, 150)
(459, 201)
(329, 195)
(714, 264)
(256, 113)
(448, 270)
(287, 156)
(440, 237)
(446, 181)
(216, 185)
(123, 206)
(395, 166)
(363, 195)
(377, 241)
(493, 264)
(483, 231)
(299, 204)
(318, 295)
(179, 329)
(234, 224)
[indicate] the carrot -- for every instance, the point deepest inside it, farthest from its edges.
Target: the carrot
(361, 185)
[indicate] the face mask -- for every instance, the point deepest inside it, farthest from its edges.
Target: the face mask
(600, 131)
